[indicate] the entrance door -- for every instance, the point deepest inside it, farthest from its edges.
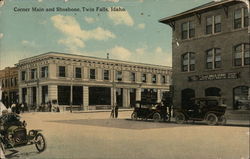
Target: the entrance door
(186, 96)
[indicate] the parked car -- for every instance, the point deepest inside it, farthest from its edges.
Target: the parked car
(146, 111)
(209, 109)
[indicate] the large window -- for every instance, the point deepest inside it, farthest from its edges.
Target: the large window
(163, 79)
(187, 30)
(213, 58)
(106, 74)
(63, 95)
(241, 97)
(78, 72)
(92, 73)
(23, 75)
(119, 75)
(242, 55)
(213, 24)
(62, 71)
(44, 72)
(240, 18)
(99, 96)
(188, 62)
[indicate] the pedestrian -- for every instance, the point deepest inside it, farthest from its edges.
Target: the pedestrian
(22, 107)
(13, 107)
(116, 110)
(112, 113)
(49, 106)
(164, 111)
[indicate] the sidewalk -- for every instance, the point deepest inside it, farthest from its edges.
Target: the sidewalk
(102, 110)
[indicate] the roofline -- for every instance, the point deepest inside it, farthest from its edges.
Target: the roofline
(90, 57)
(166, 20)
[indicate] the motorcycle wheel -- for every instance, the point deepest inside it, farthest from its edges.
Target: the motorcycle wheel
(40, 142)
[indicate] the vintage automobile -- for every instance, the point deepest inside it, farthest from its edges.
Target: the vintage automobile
(146, 111)
(14, 134)
(210, 109)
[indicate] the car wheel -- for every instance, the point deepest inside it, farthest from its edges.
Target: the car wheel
(40, 142)
(157, 117)
(134, 116)
(211, 119)
(222, 120)
(179, 118)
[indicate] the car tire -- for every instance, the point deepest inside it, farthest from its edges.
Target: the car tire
(156, 117)
(134, 116)
(211, 119)
(222, 120)
(40, 142)
(179, 118)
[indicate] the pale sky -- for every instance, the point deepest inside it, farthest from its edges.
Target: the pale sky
(131, 35)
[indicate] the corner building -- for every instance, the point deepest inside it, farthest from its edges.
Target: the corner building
(210, 46)
(90, 82)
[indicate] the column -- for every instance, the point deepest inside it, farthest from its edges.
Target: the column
(29, 96)
(52, 92)
(138, 94)
(128, 97)
(113, 96)
(85, 97)
(52, 71)
(125, 98)
(158, 95)
(20, 95)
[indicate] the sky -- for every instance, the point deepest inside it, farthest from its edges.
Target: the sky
(132, 33)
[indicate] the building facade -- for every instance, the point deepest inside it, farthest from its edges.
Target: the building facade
(9, 85)
(89, 81)
(210, 46)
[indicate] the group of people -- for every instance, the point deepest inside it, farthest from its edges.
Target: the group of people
(17, 108)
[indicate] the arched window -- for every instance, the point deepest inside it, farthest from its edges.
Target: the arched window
(188, 62)
(212, 91)
(213, 58)
(186, 96)
(241, 97)
(242, 55)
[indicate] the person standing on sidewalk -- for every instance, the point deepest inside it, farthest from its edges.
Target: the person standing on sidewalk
(116, 111)
(112, 114)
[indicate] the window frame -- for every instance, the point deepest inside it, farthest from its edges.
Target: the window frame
(92, 75)
(61, 73)
(106, 75)
(78, 74)
(215, 64)
(189, 58)
(187, 32)
(242, 52)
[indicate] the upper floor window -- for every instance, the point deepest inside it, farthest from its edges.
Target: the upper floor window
(144, 78)
(242, 55)
(62, 71)
(78, 72)
(187, 30)
(23, 75)
(132, 77)
(163, 79)
(33, 73)
(92, 74)
(44, 72)
(188, 62)
(154, 79)
(213, 58)
(106, 74)
(213, 24)
(240, 18)
(119, 75)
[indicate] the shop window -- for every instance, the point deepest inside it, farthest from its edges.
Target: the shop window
(63, 93)
(241, 97)
(186, 97)
(242, 55)
(213, 58)
(99, 96)
(213, 91)
(188, 62)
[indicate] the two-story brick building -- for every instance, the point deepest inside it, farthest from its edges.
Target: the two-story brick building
(89, 81)
(9, 85)
(210, 46)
